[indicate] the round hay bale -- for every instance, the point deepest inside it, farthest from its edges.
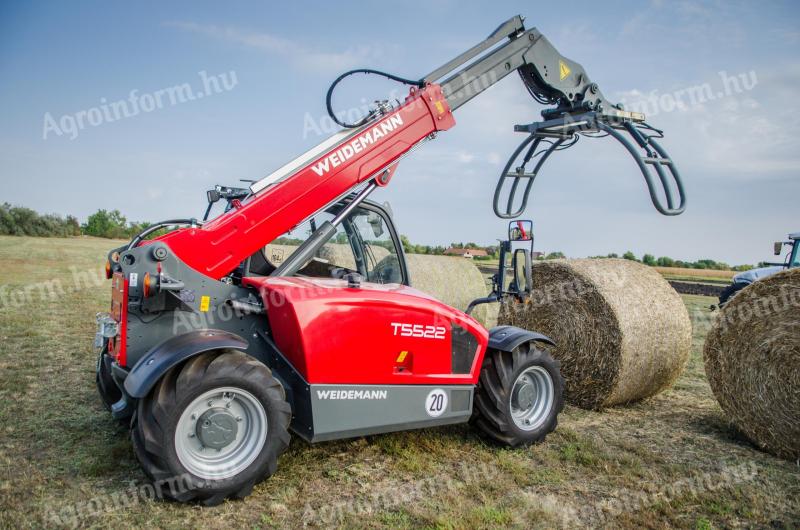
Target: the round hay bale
(452, 280)
(338, 254)
(752, 360)
(341, 254)
(621, 332)
(277, 253)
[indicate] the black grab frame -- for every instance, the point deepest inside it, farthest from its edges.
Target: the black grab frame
(561, 133)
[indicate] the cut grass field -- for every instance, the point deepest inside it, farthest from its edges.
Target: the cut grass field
(671, 461)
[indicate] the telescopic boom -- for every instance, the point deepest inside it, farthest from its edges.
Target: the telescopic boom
(364, 156)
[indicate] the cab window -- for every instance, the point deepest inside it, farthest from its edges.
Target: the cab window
(379, 259)
(362, 243)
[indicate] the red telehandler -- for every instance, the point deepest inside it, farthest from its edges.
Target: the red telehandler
(292, 309)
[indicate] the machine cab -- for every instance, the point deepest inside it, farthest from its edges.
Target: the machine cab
(365, 243)
(793, 257)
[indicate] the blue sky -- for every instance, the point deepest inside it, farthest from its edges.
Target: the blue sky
(738, 151)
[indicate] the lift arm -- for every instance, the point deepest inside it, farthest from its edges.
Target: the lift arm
(364, 156)
(550, 76)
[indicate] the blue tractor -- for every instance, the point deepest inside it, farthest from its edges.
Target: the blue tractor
(743, 279)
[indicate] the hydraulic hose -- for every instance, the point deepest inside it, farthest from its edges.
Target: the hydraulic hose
(157, 226)
(369, 116)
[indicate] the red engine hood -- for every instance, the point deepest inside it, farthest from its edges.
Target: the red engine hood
(335, 334)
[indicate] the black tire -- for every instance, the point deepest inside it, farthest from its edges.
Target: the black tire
(153, 428)
(106, 387)
(492, 409)
(728, 292)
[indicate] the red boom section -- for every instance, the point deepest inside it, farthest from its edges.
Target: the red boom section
(216, 248)
(372, 335)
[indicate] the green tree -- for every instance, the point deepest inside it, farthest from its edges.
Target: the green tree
(649, 259)
(73, 226)
(407, 246)
(555, 255)
(630, 256)
(664, 261)
(106, 224)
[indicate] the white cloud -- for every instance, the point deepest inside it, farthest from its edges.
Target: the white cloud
(294, 52)
(464, 157)
(694, 9)
(787, 36)
(634, 25)
(686, 23)
(154, 193)
(744, 136)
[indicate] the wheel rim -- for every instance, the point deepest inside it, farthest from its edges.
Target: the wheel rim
(221, 433)
(531, 399)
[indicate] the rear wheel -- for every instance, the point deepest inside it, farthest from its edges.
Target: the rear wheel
(213, 428)
(519, 395)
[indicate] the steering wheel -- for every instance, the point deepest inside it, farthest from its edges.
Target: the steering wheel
(338, 273)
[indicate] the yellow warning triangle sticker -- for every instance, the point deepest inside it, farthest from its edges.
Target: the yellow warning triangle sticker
(564, 69)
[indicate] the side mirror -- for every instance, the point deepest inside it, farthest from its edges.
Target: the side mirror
(520, 230)
(376, 222)
(778, 247)
(522, 271)
(213, 196)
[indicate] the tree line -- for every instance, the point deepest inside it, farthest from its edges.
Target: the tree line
(664, 261)
(21, 221)
(411, 248)
(646, 259)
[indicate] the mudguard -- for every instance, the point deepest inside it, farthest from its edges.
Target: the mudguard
(506, 338)
(155, 363)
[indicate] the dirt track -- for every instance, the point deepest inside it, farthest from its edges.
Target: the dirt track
(702, 289)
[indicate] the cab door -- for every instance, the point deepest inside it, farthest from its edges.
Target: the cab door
(377, 251)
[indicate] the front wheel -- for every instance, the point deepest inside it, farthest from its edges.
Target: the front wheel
(728, 292)
(213, 428)
(519, 395)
